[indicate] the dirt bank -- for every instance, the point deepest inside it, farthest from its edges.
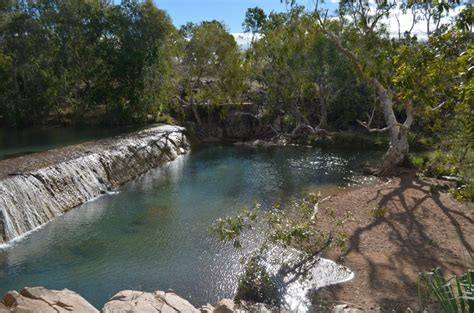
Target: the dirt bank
(420, 230)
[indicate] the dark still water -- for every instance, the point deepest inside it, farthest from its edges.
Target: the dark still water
(153, 234)
(16, 142)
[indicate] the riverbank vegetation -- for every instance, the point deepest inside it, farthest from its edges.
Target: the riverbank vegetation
(305, 72)
(307, 77)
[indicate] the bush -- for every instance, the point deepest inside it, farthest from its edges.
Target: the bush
(464, 191)
(256, 285)
(435, 164)
(350, 140)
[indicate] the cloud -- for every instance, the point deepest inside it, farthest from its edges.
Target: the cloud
(405, 20)
(399, 20)
(420, 28)
(244, 39)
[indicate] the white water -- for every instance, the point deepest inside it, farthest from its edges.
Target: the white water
(313, 275)
(30, 200)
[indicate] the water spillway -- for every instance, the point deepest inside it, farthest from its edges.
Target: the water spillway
(33, 193)
(153, 232)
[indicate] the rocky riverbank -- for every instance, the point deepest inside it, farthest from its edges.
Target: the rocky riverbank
(40, 299)
(35, 189)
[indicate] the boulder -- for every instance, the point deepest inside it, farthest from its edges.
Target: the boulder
(225, 306)
(205, 308)
(40, 299)
(344, 308)
(138, 301)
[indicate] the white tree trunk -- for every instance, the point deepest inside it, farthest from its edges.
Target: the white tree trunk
(398, 133)
(398, 148)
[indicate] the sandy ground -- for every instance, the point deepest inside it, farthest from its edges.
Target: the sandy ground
(419, 231)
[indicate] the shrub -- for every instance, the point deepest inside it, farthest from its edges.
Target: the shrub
(256, 285)
(349, 140)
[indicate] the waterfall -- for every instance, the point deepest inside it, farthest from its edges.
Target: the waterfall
(31, 199)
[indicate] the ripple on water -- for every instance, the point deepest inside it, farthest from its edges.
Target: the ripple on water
(154, 233)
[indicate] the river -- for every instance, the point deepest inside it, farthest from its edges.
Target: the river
(153, 233)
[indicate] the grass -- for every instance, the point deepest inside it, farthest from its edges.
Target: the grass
(454, 295)
(440, 164)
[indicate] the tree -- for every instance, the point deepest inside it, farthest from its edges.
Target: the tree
(297, 72)
(361, 37)
(68, 58)
(137, 56)
(254, 20)
(209, 66)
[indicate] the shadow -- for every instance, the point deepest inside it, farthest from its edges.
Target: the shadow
(415, 235)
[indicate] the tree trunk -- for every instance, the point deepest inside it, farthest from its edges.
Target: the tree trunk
(398, 146)
(397, 150)
(323, 119)
(195, 112)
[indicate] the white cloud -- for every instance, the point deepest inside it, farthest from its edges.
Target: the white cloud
(244, 39)
(406, 20)
(420, 28)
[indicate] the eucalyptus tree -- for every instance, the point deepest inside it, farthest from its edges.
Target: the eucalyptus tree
(254, 20)
(137, 42)
(298, 71)
(210, 67)
(26, 55)
(280, 69)
(361, 36)
(440, 76)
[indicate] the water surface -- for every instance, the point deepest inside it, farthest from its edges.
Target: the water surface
(154, 233)
(21, 141)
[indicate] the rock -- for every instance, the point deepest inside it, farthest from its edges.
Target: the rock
(246, 307)
(40, 299)
(225, 306)
(205, 308)
(344, 308)
(138, 301)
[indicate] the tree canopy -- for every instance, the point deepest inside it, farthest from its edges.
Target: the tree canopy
(304, 72)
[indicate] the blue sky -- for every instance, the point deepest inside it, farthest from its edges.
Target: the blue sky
(231, 12)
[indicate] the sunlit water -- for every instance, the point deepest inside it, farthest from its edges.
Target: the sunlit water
(153, 234)
(16, 142)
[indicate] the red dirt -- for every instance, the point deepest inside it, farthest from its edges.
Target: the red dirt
(419, 231)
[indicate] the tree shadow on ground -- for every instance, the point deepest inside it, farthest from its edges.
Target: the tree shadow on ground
(415, 235)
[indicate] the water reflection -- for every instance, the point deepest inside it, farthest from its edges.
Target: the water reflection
(153, 234)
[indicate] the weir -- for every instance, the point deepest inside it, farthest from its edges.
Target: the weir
(32, 194)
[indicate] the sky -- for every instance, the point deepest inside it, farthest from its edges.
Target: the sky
(231, 12)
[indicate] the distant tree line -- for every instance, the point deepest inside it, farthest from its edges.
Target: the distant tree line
(83, 60)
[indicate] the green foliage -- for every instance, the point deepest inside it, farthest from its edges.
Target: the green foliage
(441, 163)
(378, 212)
(210, 68)
(291, 227)
(463, 191)
(455, 295)
(299, 76)
(256, 285)
(254, 20)
(230, 228)
(67, 58)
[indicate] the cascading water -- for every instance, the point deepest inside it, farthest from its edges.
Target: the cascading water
(29, 200)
